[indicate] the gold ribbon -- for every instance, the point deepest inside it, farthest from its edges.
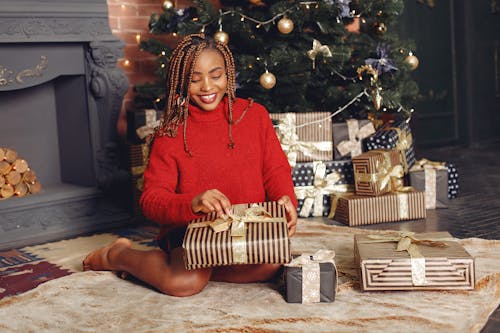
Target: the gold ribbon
(388, 177)
(322, 185)
(409, 243)
(405, 140)
(290, 143)
(429, 168)
(139, 170)
(356, 134)
(311, 283)
(317, 48)
(237, 222)
(150, 124)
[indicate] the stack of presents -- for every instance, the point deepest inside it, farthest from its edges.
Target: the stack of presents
(355, 174)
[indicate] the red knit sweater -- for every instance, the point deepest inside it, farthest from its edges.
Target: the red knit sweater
(255, 170)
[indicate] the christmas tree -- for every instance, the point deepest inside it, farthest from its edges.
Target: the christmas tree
(296, 56)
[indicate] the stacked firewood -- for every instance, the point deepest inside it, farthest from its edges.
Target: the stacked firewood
(16, 178)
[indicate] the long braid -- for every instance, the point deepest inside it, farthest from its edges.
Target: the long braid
(180, 71)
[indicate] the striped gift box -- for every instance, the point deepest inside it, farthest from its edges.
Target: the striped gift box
(305, 136)
(371, 170)
(428, 268)
(353, 209)
(256, 240)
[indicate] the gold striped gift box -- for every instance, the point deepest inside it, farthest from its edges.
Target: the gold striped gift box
(354, 210)
(377, 171)
(426, 265)
(245, 238)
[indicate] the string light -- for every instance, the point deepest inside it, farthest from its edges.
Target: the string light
(126, 62)
(138, 38)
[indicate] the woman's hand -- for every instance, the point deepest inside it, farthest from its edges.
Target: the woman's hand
(211, 201)
(291, 214)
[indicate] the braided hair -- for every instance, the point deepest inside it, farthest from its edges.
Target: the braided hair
(180, 71)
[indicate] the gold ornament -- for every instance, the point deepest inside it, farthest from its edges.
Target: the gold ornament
(318, 48)
(221, 37)
(267, 80)
(380, 28)
(412, 61)
(168, 5)
(377, 100)
(285, 25)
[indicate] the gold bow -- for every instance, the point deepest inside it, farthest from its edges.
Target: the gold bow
(406, 241)
(427, 164)
(322, 185)
(290, 143)
(311, 282)
(388, 177)
(237, 222)
(150, 124)
(356, 134)
(404, 142)
(317, 48)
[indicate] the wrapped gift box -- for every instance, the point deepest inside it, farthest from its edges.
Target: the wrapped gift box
(315, 181)
(452, 180)
(305, 136)
(138, 158)
(432, 178)
(429, 267)
(354, 210)
(348, 137)
(311, 278)
(253, 234)
(141, 123)
(377, 172)
(395, 135)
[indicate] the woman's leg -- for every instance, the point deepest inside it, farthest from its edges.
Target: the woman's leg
(245, 273)
(164, 272)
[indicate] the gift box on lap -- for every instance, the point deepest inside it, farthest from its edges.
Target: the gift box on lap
(305, 136)
(395, 135)
(348, 136)
(377, 172)
(252, 234)
(311, 278)
(315, 181)
(354, 210)
(452, 180)
(408, 261)
(141, 123)
(432, 178)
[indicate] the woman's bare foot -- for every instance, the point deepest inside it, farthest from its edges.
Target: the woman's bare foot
(101, 259)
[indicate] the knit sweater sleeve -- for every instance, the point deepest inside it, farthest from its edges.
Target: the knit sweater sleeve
(276, 168)
(159, 200)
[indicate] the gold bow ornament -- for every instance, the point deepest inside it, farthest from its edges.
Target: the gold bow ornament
(290, 143)
(356, 135)
(430, 169)
(323, 184)
(317, 48)
(311, 273)
(406, 241)
(150, 124)
(404, 142)
(236, 221)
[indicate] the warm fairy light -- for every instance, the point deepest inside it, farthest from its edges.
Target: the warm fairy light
(163, 53)
(174, 34)
(242, 19)
(138, 38)
(126, 63)
(157, 100)
(123, 6)
(162, 66)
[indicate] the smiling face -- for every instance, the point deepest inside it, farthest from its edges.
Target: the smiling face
(209, 81)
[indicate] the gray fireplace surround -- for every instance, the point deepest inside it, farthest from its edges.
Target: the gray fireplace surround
(60, 98)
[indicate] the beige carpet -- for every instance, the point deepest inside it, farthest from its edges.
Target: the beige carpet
(101, 302)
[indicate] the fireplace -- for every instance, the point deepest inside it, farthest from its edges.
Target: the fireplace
(60, 97)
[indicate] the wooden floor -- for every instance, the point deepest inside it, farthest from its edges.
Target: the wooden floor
(476, 210)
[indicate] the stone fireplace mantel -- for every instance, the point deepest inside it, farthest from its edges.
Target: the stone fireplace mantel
(60, 98)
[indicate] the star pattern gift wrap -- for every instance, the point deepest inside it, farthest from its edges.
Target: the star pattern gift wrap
(394, 136)
(452, 180)
(408, 261)
(305, 136)
(311, 278)
(432, 178)
(348, 137)
(141, 123)
(377, 172)
(355, 210)
(251, 234)
(315, 181)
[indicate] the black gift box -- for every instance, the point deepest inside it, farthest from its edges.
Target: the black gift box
(293, 283)
(341, 134)
(138, 118)
(452, 181)
(418, 182)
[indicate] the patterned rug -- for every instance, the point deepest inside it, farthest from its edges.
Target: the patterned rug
(25, 268)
